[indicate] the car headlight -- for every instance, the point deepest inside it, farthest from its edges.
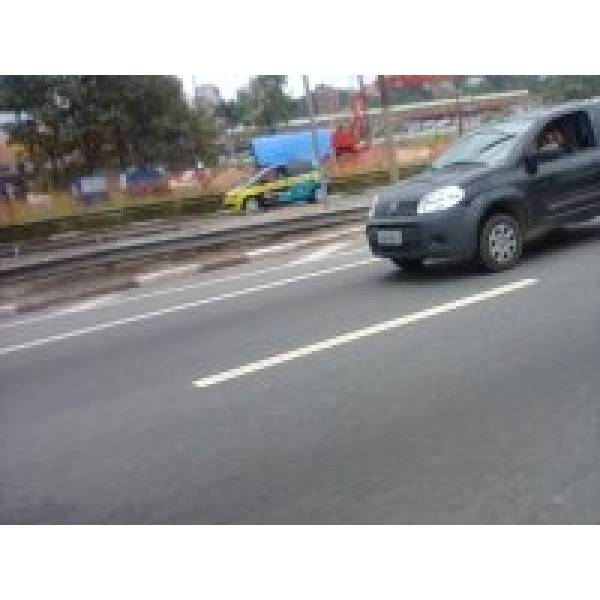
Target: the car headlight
(440, 199)
(373, 206)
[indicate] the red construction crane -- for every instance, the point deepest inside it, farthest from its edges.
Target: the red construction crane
(348, 139)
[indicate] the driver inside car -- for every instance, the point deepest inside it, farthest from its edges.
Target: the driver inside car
(551, 139)
(555, 139)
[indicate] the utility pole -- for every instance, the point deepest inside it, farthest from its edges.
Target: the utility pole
(362, 90)
(315, 138)
(385, 115)
(458, 106)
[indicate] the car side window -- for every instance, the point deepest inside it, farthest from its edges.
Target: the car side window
(268, 177)
(565, 135)
(300, 167)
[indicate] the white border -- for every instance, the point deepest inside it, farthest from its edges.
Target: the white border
(298, 562)
(268, 36)
(318, 38)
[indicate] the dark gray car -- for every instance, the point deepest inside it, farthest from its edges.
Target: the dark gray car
(493, 189)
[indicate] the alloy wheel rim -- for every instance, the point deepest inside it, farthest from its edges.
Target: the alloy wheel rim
(502, 242)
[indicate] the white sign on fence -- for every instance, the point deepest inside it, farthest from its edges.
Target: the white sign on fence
(95, 184)
(39, 199)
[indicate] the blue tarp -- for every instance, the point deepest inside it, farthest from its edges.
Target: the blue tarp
(143, 176)
(284, 148)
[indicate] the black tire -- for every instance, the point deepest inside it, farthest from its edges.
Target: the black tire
(500, 242)
(409, 265)
(313, 197)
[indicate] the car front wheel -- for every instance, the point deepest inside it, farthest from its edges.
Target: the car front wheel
(252, 205)
(500, 242)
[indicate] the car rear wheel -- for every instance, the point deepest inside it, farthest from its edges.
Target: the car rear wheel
(500, 242)
(409, 265)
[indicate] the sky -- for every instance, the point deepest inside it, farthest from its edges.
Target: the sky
(229, 84)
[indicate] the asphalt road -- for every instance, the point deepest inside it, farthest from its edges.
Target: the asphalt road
(263, 394)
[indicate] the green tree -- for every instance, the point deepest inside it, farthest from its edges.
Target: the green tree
(264, 103)
(46, 132)
(203, 134)
(561, 88)
(80, 123)
(230, 113)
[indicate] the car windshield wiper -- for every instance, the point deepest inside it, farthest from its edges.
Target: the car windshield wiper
(497, 142)
(459, 162)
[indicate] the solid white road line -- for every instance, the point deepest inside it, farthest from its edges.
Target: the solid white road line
(120, 299)
(179, 307)
(360, 333)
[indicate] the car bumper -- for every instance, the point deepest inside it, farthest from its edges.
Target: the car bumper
(448, 234)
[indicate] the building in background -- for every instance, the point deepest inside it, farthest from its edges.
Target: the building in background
(12, 182)
(7, 157)
(327, 99)
(208, 95)
(9, 154)
(445, 88)
(8, 120)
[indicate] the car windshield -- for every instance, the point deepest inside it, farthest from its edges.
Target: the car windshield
(487, 146)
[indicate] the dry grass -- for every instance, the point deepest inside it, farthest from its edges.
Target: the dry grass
(63, 204)
(376, 157)
(222, 180)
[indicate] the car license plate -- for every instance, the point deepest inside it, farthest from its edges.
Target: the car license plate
(389, 237)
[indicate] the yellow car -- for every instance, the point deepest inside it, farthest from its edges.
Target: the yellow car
(273, 186)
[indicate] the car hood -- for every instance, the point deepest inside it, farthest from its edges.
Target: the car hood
(417, 186)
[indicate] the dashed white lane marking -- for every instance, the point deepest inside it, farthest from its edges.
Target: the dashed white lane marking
(120, 299)
(296, 244)
(303, 242)
(179, 307)
(270, 249)
(178, 270)
(357, 334)
(322, 253)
